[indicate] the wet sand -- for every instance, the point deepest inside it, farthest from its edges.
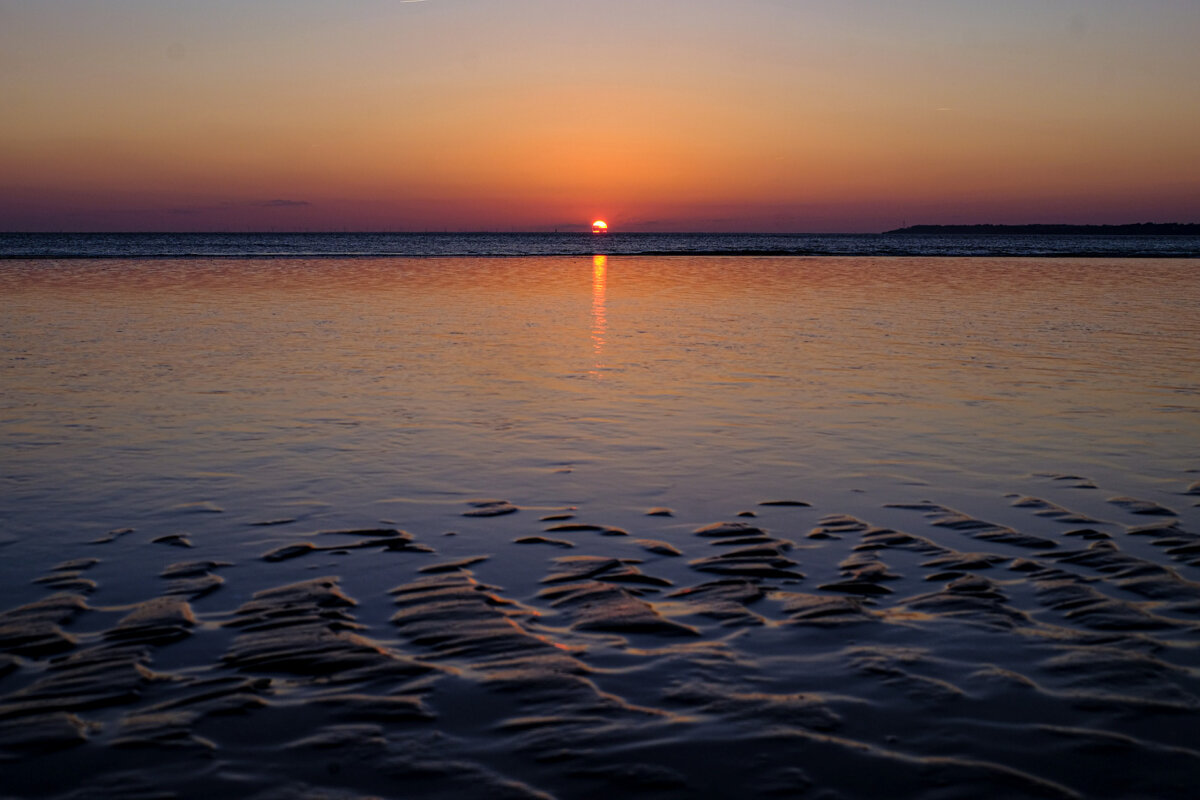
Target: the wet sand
(790, 650)
(575, 529)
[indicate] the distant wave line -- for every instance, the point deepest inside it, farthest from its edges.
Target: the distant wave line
(875, 253)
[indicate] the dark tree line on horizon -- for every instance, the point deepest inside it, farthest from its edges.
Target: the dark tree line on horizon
(1131, 229)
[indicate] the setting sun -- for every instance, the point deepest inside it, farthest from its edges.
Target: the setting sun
(599, 226)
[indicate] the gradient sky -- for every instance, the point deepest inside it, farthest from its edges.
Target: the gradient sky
(671, 115)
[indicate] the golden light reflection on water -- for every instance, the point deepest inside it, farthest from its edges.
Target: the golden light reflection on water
(478, 361)
(599, 311)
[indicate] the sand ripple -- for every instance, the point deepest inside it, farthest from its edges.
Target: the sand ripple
(810, 652)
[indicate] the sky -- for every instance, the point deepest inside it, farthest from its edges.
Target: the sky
(655, 115)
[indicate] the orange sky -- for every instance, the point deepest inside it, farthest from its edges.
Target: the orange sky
(535, 114)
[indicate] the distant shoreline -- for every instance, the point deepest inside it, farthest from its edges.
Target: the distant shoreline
(1133, 229)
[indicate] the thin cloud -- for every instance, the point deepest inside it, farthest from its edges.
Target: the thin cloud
(277, 203)
(229, 205)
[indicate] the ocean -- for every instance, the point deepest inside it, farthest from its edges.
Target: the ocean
(360, 245)
(562, 515)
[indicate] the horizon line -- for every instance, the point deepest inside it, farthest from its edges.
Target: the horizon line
(583, 231)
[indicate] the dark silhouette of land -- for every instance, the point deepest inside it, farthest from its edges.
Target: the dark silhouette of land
(1134, 229)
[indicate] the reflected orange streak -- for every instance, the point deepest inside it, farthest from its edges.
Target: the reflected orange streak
(599, 311)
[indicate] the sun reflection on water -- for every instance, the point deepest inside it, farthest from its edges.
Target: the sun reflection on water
(599, 312)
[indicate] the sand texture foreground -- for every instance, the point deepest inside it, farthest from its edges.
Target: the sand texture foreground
(788, 651)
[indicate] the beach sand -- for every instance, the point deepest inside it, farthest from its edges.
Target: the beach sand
(787, 651)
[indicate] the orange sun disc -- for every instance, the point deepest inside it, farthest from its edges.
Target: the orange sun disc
(599, 226)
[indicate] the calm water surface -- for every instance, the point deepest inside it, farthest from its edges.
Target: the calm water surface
(399, 388)
(354, 245)
(952, 616)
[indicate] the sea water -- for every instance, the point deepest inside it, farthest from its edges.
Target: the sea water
(355, 245)
(135, 385)
(242, 404)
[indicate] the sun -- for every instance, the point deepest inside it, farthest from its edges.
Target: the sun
(599, 226)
